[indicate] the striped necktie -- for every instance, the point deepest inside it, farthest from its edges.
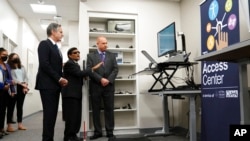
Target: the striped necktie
(102, 55)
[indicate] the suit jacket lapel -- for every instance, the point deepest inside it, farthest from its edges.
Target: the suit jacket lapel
(97, 55)
(76, 64)
(54, 48)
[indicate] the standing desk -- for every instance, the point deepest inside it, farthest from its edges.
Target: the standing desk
(237, 53)
(163, 78)
(192, 113)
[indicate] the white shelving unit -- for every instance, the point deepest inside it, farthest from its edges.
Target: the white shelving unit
(126, 92)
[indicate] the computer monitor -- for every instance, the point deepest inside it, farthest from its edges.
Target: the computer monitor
(166, 40)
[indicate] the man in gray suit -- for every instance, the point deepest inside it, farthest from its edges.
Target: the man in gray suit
(102, 87)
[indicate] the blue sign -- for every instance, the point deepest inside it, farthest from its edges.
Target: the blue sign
(220, 80)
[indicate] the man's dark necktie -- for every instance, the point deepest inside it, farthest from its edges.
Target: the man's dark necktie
(58, 50)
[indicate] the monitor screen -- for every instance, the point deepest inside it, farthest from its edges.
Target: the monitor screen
(166, 40)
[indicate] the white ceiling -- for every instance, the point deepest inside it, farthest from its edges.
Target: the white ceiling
(67, 9)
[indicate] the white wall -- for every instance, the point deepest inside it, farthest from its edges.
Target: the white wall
(8, 21)
(28, 45)
(244, 28)
(19, 31)
(190, 25)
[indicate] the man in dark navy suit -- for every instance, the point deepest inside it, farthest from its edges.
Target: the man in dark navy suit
(72, 94)
(102, 87)
(49, 80)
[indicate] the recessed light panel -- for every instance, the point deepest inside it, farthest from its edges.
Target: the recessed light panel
(45, 23)
(45, 9)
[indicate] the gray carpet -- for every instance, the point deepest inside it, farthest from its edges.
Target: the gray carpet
(34, 132)
(133, 139)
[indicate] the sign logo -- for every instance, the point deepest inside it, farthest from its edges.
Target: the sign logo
(232, 93)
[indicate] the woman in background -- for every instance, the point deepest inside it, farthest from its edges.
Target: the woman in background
(6, 88)
(19, 76)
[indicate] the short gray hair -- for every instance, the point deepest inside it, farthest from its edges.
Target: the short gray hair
(52, 27)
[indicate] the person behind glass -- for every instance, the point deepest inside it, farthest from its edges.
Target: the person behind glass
(72, 94)
(102, 87)
(49, 80)
(6, 88)
(19, 76)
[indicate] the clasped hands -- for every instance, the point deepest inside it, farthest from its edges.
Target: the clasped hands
(25, 87)
(63, 82)
(104, 81)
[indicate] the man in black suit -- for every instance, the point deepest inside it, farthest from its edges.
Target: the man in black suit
(49, 78)
(72, 94)
(102, 87)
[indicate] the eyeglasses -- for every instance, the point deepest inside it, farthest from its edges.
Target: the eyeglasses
(76, 52)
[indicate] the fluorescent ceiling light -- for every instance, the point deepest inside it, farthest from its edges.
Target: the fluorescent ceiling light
(44, 26)
(45, 9)
(45, 23)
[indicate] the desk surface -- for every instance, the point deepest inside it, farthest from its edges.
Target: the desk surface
(164, 65)
(237, 52)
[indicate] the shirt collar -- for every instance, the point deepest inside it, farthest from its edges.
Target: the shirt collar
(53, 42)
(99, 52)
(74, 61)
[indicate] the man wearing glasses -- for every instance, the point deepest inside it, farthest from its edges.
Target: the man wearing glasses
(72, 94)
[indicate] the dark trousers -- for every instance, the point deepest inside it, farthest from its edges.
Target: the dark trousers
(17, 100)
(72, 113)
(50, 101)
(101, 94)
(3, 106)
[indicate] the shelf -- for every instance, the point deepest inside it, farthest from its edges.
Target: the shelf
(124, 110)
(125, 79)
(115, 49)
(125, 94)
(124, 46)
(126, 127)
(126, 64)
(112, 35)
(120, 110)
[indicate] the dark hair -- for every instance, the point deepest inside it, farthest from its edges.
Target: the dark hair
(52, 27)
(71, 50)
(11, 63)
(2, 49)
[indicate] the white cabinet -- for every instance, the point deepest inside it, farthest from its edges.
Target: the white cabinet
(124, 45)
